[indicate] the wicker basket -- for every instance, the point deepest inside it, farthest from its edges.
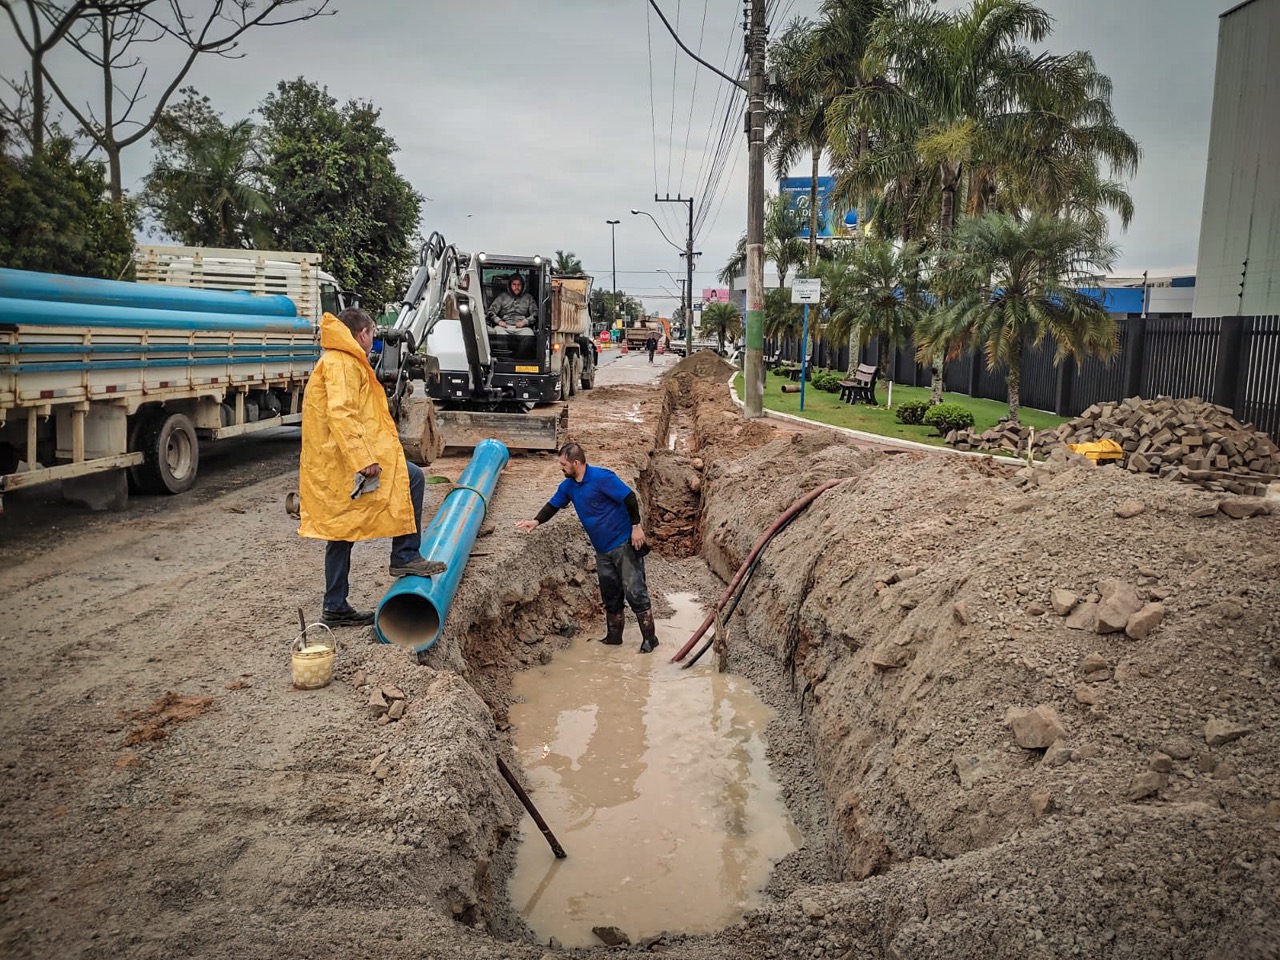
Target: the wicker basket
(312, 665)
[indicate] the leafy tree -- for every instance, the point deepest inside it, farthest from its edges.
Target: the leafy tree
(334, 188)
(1022, 279)
(567, 265)
(109, 36)
(204, 188)
(722, 321)
(56, 214)
(605, 306)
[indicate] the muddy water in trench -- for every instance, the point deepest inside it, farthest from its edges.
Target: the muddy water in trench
(655, 781)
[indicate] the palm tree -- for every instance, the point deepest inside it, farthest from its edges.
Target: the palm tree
(567, 265)
(1022, 279)
(782, 244)
(783, 320)
(875, 301)
(209, 195)
(721, 320)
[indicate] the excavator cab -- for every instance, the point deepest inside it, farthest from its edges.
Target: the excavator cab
(521, 361)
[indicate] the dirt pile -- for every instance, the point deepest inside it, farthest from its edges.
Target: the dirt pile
(1185, 440)
(1015, 765)
(704, 364)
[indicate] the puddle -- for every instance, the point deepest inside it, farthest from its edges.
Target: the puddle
(654, 779)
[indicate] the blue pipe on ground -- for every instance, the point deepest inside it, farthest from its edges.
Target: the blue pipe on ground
(413, 612)
(56, 313)
(28, 285)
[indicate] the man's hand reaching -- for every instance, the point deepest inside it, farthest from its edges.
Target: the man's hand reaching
(526, 525)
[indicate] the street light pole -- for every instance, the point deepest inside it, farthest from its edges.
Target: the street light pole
(613, 243)
(688, 317)
(688, 253)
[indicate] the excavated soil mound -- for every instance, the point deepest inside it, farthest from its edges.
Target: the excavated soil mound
(1045, 718)
(705, 364)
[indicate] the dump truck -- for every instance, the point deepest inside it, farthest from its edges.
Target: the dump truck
(638, 335)
(572, 347)
(111, 386)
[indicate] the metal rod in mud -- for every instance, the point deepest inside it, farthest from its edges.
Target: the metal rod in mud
(765, 537)
(514, 784)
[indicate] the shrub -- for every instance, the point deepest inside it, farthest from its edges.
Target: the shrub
(946, 417)
(912, 411)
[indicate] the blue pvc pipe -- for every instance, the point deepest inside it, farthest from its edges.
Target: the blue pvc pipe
(52, 313)
(26, 285)
(413, 612)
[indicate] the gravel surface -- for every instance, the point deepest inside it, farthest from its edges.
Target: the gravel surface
(974, 776)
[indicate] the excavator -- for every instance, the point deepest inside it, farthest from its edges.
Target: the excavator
(452, 379)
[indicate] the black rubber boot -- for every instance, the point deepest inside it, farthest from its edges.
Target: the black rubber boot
(647, 631)
(614, 622)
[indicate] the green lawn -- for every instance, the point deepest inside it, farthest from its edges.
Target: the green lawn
(826, 408)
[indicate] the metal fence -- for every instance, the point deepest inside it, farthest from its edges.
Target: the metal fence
(1231, 361)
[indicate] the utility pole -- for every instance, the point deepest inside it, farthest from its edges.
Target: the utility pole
(613, 243)
(753, 369)
(688, 254)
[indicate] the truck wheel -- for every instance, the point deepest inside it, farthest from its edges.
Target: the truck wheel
(566, 370)
(170, 451)
(588, 371)
(575, 369)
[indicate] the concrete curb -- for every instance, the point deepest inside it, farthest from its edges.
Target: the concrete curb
(873, 437)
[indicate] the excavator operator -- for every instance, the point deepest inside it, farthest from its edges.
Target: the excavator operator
(515, 314)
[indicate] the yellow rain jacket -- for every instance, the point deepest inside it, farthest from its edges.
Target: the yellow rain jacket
(346, 426)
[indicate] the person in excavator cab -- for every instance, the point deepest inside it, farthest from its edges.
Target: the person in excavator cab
(514, 313)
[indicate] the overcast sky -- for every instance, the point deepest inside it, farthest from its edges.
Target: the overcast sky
(529, 123)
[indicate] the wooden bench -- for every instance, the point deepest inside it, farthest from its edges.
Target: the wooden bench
(861, 386)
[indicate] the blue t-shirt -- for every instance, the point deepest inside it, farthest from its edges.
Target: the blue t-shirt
(598, 499)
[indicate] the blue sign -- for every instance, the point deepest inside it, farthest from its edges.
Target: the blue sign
(796, 190)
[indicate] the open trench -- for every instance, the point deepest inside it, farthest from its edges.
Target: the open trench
(526, 626)
(885, 632)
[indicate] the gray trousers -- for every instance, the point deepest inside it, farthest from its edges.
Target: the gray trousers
(621, 574)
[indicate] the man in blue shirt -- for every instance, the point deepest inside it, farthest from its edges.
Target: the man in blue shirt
(610, 515)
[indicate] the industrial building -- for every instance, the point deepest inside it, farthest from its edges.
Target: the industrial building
(1238, 273)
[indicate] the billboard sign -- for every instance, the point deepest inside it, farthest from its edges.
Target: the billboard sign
(716, 295)
(796, 190)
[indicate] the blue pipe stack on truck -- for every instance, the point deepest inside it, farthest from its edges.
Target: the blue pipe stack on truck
(105, 376)
(26, 285)
(413, 612)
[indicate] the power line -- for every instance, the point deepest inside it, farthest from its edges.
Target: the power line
(693, 97)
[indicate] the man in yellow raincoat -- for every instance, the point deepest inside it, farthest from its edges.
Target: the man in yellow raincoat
(349, 440)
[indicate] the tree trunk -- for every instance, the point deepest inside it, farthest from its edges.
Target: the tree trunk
(1015, 383)
(947, 220)
(813, 212)
(37, 105)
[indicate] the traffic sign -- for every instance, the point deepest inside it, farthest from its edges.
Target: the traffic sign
(806, 291)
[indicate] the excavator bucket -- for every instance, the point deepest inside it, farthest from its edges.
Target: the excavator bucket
(536, 430)
(419, 431)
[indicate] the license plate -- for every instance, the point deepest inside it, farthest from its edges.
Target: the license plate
(520, 369)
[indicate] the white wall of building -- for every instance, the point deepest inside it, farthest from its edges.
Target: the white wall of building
(1241, 219)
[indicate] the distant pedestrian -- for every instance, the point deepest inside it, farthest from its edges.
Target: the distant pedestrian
(354, 481)
(610, 515)
(651, 345)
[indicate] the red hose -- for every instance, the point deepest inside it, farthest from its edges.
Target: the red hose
(765, 537)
